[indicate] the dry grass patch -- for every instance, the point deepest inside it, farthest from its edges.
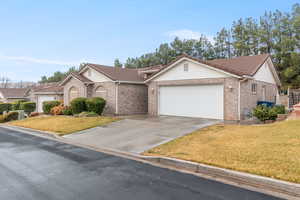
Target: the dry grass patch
(63, 125)
(270, 150)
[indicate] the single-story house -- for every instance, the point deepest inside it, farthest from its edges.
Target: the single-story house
(8, 95)
(226, 89)
(38, 94)
(123, 89)
(44, 92)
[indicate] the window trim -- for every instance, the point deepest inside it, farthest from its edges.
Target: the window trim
(185, 67)
(254, 88)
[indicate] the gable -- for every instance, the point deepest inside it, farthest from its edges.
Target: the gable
(195, 71)
(95, 76)
(265, 74)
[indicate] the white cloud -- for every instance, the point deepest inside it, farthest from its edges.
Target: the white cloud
(188, 34)
(40, 61)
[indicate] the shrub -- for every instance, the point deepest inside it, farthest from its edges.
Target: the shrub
(2, 119)
(264, 113)
(11, 116)
(28, 107)
(78, 105)
(57, 110)
(95, 105)
(34, 114)
(16, 105)
(48, 105)
(67, 110)
(5, 107)
(279, 109)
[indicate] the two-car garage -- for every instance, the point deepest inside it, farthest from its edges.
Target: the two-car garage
(204, 101)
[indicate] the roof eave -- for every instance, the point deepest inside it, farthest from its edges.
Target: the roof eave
(192, 60)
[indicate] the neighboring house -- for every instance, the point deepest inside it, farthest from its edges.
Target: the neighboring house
(8, 95)
(123, 89)
(44, 92)
(226, 89)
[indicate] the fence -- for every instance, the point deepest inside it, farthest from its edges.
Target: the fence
(294, 96)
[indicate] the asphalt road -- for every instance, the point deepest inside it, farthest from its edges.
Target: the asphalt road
(35, 168)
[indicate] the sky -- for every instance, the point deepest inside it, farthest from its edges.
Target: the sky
(40, 37)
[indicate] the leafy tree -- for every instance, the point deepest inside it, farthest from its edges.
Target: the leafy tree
(117, 63)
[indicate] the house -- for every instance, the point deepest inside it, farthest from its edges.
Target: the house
(226, 89)
(123, 89)
(38, 94)
(44, 92)
(8, 95)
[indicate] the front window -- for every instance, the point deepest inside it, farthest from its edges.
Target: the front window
(254, 88)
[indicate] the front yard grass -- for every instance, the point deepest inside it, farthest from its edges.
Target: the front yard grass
(63, 125)
(271, 150)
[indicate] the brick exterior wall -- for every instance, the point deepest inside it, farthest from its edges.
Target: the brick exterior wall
(74, 83)
(249, 100)
(230, 94)
(109, 95)
(132, 99)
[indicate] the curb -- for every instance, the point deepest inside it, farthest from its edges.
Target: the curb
(258, 183)
(36, 132)
(265, 183)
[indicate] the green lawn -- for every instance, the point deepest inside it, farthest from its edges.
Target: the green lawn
(63, 125)
(271, 150)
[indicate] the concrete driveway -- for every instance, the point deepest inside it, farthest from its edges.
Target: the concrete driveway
(140, 133)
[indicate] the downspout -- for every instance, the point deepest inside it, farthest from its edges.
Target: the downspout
(117, 98)
(239, 101)
(245, 78)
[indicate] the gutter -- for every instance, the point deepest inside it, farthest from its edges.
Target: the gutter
(132, 82)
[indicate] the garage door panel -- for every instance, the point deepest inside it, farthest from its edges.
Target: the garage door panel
(192, 101)
(43, 98)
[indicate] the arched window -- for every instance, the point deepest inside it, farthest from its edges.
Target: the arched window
(100, 92)
(73, 93)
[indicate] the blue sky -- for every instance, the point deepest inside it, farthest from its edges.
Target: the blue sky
(40, 37)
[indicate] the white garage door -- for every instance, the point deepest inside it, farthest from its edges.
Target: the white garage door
(41, 99)
(205, 101)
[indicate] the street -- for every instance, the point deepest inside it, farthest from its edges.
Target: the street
(35, 168)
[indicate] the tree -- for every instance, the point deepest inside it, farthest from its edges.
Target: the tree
(58, 76)
(223, 46)
(4, 82)
(117, 63)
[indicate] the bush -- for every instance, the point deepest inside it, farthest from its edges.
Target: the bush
(67, 110)
(5, 107)
(279, 109)
(95, 105)
(11, 116)
(16, 105)
(57, 110)
(28, 107)
(78, 105)
(264, 113)
(2, 119)
(48, 105)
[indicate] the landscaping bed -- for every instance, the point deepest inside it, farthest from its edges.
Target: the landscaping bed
(63, 125)
(270, 149)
